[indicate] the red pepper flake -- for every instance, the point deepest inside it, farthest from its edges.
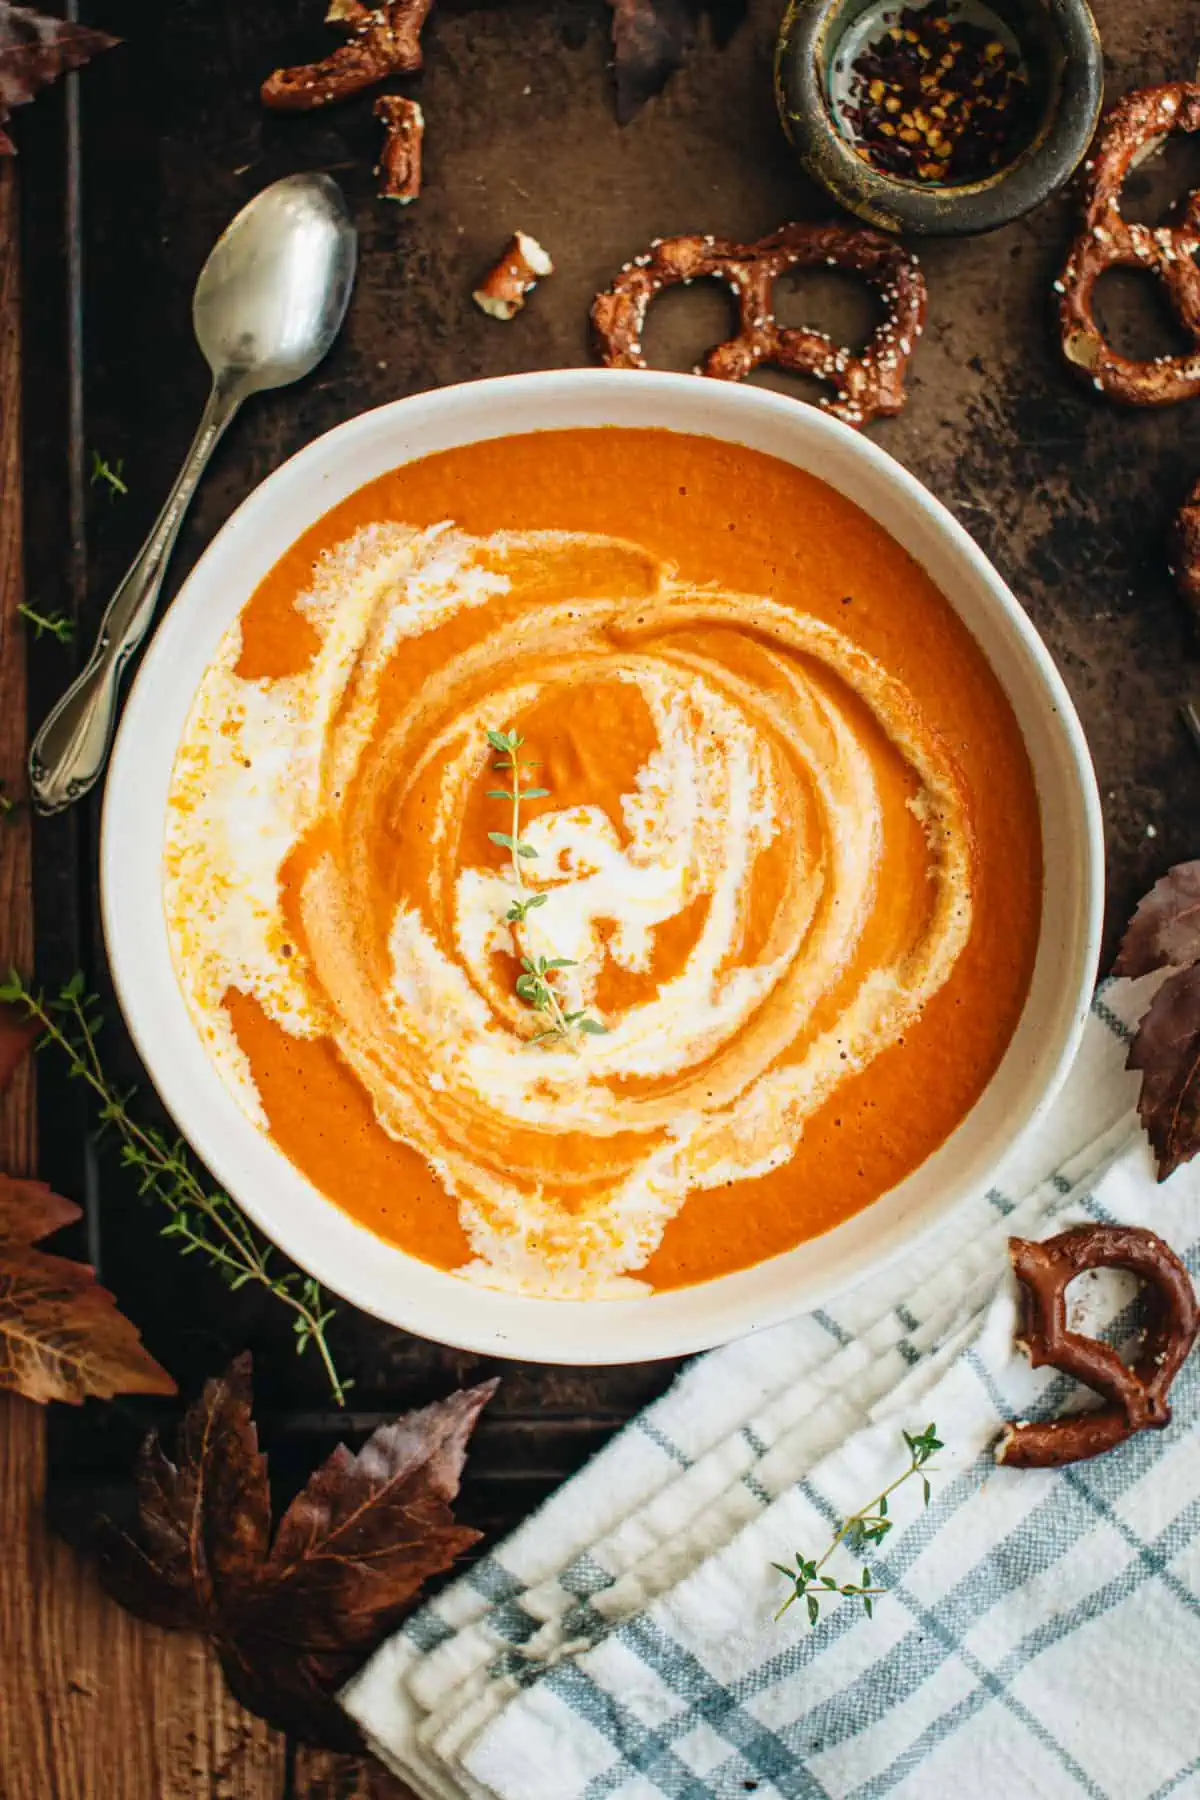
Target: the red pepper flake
(937, 97)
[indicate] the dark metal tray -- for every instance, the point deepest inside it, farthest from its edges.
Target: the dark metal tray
(127, 178)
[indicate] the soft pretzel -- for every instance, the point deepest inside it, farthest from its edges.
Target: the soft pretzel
(1134, 1395)
(1137, 122)
(382, 40)
(399, 168)
(865, 385)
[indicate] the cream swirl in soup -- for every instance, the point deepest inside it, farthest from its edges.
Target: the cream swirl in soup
(757, 863)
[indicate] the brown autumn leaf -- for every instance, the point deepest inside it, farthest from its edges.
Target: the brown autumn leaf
(61, 1336)
(291, 1620)
(650, 40)
(34, 51)
(1166, 1048)
(1164, 932)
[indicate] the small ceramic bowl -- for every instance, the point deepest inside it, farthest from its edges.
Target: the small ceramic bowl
(1060, 50)
(380, 1277)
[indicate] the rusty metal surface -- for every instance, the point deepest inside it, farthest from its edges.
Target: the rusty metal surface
(1070, 496)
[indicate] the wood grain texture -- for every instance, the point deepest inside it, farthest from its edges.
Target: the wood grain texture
(91, 1702)
(318, 1775)
(17, 1121)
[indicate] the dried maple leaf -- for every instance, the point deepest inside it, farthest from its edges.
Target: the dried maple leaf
(1164, 932)
(61, 1336)
(1166, 1049)
(650, 40)
(291, 1620)
(34, 51)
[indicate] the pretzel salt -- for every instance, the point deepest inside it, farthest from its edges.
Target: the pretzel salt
(1135, 1394)
(866, 384)
(1137, 123)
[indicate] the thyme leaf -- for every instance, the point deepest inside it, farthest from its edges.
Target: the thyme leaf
(202, 1221)
(870, 1525)
(110, 473)
(532, 985)
(56, 624)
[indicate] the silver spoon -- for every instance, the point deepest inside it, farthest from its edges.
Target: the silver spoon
(269, 302)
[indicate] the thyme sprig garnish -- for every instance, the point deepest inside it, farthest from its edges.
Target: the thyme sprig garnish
(532, 985)
(110, 473)
(56, 624)
(200, 1218)
(868, 1526)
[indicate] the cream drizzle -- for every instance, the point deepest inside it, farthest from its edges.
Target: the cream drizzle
(565, 1174)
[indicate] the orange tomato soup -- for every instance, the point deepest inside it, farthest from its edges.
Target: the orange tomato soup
(785, 841)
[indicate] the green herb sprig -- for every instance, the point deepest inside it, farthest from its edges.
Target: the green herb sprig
(8, 806)
(112, 474)
(201, 1219)
(868, 1526)
(56, 624)
(533, 985)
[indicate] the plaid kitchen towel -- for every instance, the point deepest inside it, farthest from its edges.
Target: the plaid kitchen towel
(1042, 1631)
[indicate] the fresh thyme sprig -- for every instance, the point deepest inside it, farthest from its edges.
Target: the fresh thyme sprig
(533, 987)
(201, 1219)
(112, 474)
(869, 1526)
(57, 624)
(532, 984)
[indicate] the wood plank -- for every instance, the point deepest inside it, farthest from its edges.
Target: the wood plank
(320, 1775)
(91, 1702)
(17, 1119)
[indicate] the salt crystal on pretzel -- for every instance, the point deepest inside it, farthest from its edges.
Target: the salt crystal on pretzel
(384, 40)
(1136, 126)
(866, 385)
(1135, 1394)
(504, 289)
(399, 168)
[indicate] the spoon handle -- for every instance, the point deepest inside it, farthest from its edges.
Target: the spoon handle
(68, 754)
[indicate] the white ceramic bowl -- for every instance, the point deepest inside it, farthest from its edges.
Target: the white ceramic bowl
(326, 1241)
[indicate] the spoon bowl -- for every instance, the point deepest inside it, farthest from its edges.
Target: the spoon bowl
(268, 304)
(273, 293)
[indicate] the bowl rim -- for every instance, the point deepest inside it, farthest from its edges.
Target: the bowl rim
(313, 1231)
(1043, 166)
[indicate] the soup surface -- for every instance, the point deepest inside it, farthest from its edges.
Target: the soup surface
(780, 850)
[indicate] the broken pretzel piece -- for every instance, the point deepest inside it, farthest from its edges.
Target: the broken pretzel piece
(384, 40)
(1137, 124)
(1135, 1394)
(399, 168)
(866, 385)
(503, 291)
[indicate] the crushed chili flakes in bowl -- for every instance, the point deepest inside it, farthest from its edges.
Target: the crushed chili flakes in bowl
(937, 96)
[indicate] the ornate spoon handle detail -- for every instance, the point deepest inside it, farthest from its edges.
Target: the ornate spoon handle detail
(68, 754)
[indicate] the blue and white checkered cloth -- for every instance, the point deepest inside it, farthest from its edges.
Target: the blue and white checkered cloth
(1042, 1632)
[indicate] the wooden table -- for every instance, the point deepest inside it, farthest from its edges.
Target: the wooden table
(1071, 498)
